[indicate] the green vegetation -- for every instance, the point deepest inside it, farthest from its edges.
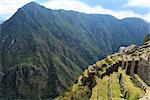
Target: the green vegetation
(95, 92)
(82, 93)
(115, 86)
(52, 47)
(113, 81)
(100, 90)
(134, 91)
(104, 89)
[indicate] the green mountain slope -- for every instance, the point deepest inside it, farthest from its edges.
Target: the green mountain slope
(43, 51)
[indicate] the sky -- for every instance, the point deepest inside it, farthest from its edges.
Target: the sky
(117, 8)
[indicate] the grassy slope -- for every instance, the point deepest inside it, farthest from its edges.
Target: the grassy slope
(115, 86)
(134, 91)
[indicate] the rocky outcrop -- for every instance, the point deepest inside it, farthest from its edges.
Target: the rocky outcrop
(24, 78)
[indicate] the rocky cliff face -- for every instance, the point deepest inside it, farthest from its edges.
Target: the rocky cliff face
(123, 75)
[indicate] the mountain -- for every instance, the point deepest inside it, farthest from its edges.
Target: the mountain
(43, 51)
(123, 76)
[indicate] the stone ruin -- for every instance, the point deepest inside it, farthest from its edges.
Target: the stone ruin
(134, 60)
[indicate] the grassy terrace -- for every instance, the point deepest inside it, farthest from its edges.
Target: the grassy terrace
(100, 90)
(95, 90)
(134, 92)
(115, 86)
(104, 89)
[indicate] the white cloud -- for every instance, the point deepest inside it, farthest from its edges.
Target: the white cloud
(9, 7)
(82, 7)
(147, 17)
(138, 3)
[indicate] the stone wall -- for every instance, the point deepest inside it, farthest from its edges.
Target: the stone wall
(128, 67)
(144, 70)
(111, 69)
(124, 91)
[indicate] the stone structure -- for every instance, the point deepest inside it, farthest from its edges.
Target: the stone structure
(133, 60)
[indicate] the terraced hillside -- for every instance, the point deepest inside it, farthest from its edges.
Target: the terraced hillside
(120, 76)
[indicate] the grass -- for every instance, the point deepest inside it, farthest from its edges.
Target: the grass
(115, 86)
(117, 58)
(95, 91)
(104, 89)
(85, 73)
(134, 91)
(100, 89)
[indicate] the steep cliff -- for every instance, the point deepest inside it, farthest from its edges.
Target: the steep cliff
(122, 75)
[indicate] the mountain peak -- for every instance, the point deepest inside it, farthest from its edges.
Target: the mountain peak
(28, 10)
(32, 2)
(31, 5)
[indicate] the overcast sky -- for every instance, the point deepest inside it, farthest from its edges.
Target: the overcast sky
(117, 8)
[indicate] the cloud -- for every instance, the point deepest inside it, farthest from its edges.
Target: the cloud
(147, 17)
(98, 9)
(138, 3)
(9, 7)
